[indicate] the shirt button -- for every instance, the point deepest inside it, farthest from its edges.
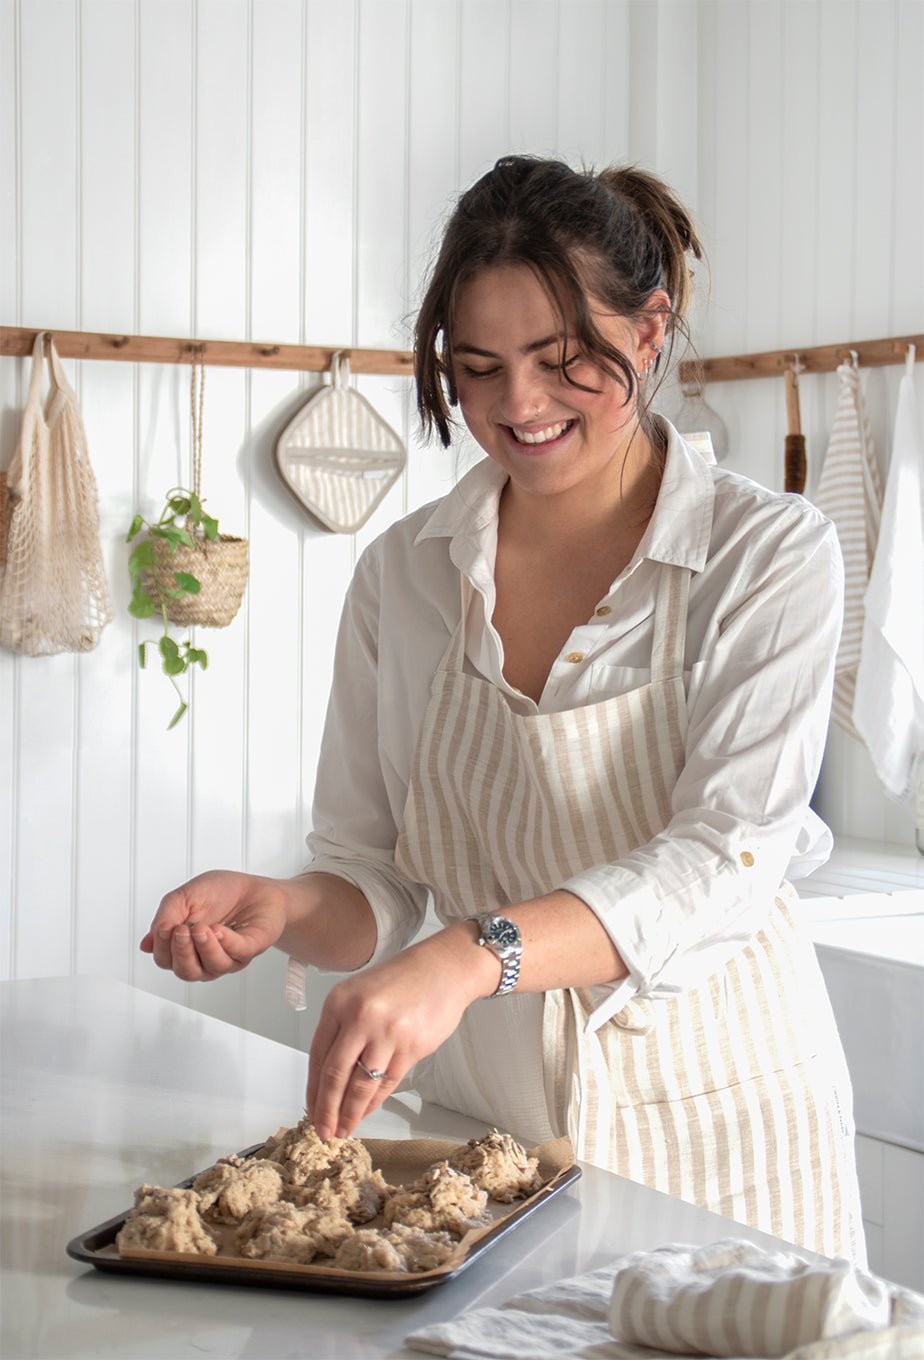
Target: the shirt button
(603, 609)
(747, 859)
(575, 657)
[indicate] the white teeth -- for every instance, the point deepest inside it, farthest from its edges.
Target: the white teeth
(541, 436)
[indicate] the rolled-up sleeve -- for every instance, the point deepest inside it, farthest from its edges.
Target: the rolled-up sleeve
(354, 828)
(680, 905)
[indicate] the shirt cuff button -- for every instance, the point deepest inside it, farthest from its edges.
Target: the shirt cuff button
(747, 859)
(575, 657)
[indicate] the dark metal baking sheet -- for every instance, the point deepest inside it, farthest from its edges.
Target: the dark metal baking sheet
(95, 1247)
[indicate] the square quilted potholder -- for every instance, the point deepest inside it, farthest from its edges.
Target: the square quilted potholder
(338, 456)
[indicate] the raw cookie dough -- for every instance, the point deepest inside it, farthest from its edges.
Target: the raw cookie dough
(349, 1190)
(442, 1200)
(235, 1185)
(283, 1232)
(498, 1165)
(399, 1248)
(166, 1220)
(302, 1153)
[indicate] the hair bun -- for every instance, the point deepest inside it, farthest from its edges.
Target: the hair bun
(667, 220)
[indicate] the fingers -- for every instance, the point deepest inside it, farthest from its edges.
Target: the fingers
(198, 953)
(341, 1091)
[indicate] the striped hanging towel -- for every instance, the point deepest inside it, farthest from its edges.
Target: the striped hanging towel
(849, 492)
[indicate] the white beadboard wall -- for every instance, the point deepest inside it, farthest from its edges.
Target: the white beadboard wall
(278, 170)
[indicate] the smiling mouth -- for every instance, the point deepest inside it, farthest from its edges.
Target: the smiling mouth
(543, 436)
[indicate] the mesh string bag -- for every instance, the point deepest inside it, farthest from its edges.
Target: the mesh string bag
(54, 595)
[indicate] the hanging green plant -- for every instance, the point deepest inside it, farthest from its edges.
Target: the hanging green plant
(183, 569)
(155, 587)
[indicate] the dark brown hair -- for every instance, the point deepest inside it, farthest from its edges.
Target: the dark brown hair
(614, 235)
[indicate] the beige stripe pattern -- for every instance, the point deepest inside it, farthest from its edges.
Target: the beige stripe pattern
(725, 1095)
(849, 492)
(340, 457)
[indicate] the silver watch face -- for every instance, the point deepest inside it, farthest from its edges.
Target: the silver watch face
(502, 932)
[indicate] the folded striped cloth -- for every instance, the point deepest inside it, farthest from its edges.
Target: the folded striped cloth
(849, 492)
(730, 1298)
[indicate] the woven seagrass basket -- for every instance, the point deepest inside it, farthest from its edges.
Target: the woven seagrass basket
(220, 566)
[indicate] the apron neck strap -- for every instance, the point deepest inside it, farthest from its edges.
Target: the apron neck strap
(670, 622)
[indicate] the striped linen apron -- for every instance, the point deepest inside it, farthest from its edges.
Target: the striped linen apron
(733, 1095)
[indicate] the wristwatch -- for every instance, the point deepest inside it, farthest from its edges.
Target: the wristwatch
(503, 937)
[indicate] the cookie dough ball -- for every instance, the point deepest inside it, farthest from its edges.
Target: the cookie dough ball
(400, 1248)
(284, 1232)
(498, 1165)
(230, 1189)
(368, 1249)
(166, 1220)
(420, 1250)
(346, 1190)
(303, 1153)
(443, 1200)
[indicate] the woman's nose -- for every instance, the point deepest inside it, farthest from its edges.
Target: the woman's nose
(524, 397)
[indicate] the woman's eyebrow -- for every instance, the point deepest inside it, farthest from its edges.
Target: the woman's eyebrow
(531, 348)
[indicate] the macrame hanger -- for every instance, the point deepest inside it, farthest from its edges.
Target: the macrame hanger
(196, 395)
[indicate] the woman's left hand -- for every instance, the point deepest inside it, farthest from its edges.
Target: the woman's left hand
(390, 1017)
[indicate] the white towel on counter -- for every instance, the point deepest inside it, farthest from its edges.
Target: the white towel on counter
(849, 492)
(731, 1298)
(889, 705)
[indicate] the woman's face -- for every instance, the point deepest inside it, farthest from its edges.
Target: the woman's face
(550, 436)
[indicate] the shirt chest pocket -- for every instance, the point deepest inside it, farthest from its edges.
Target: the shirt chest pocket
(607, 681)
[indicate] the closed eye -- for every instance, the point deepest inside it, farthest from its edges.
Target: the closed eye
(478, 372)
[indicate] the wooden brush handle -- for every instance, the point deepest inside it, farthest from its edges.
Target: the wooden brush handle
(795, 463)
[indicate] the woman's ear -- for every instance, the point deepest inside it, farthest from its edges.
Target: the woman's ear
(652, 324)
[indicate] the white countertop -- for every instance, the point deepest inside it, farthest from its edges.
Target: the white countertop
(106, 1086)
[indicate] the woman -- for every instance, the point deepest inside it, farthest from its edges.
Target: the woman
(581, 701)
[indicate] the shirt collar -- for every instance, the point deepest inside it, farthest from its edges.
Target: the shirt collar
(678, 532)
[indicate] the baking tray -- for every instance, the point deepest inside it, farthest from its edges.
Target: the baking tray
(96, 1247)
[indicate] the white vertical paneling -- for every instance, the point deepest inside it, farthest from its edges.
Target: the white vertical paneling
(329, 314)
(907, 204)
(484, 84)
(767, 204)
(273, 773)
(835, 244)
(47, 686)
(381, 189)
(219, 727)
(615, 60)
(875, 168)
(434, 90)
(160, 759)
(103, 940)
(534, 72)
(582, 80)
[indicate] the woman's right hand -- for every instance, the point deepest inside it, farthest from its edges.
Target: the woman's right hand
(216, 923)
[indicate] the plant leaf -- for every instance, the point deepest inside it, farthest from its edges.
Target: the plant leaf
(177, 715)
(137, 525)
(141, 606)
(180, 505)
(210, 527)
(173, 663)
(141, 657)
(141, 558)
(188, 583)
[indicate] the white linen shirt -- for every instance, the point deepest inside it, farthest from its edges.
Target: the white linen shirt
(762, 632)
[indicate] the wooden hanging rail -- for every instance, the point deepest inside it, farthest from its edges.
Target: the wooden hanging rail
(820, 359)
(158, 349)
